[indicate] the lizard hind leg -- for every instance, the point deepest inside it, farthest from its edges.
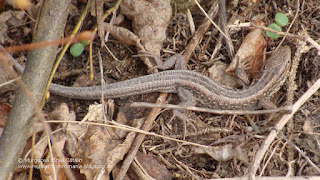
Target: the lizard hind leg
(187, 99)
(176, 61)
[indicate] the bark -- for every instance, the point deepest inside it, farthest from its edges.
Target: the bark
(50, 26)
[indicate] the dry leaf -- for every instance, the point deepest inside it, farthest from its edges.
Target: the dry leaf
(146, 165)
(98, 147)
(149, 20)
(95, 113)
(224, 153)
(48, 172)
(62, 113)
(307, 127)
(20, 175)
(4, 113)
(8, 19)
(123, 35)
(250, 57)
(5, 77)
(41, 157)
(94, 148)
(20, 4)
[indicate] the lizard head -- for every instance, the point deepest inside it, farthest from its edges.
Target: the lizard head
(279, 60)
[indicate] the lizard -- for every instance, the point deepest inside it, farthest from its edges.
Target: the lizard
(205, 91)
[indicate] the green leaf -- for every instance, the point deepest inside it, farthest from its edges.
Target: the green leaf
(281, 19)
(275, 27)
(84, 42)
(76, 49)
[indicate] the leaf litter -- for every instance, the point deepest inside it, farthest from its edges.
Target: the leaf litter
(97, 145)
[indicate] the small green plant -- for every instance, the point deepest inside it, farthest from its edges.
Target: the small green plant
(281, 20)
(77, 49)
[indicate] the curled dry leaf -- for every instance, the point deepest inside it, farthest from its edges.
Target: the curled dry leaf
(41, 157)
(147, 167)
(8, 19)
(224, 153)
(149, 20)
(62, 113)
(50, 172)
(123, 35)
(250, 57)
(4, 114)
(98, 147)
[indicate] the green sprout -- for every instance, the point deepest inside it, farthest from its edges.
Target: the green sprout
(272, 35)
(281, 20)
(77, 49)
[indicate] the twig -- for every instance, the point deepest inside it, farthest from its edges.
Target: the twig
(9, 82)
(292, 85)
(300, 151)
(65, 48)
(279, 126)
(139, 139)
(26, 109)
(223, 25)
(85, 35)
(200, 32)
(212, 22)
(130, 129)
(103, 82)
(285, 109)
(294, 19)
(302, 37)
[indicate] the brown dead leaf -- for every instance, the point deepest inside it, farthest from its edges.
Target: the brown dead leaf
(146, 165)
(123, 35)
(5, 78)
(41, 158)
(48, 172)
(98, 147)
(8, 19)
(95, 113)
(20, 175)
(94, 148)
(4, 113)
(307, 127)
(149, 21)
(62, 113)
(224, 153)
(250, 57)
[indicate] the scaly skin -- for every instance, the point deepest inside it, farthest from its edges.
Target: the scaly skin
(207, 92)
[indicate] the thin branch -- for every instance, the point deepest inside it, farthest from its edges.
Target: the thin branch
(285, 109)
